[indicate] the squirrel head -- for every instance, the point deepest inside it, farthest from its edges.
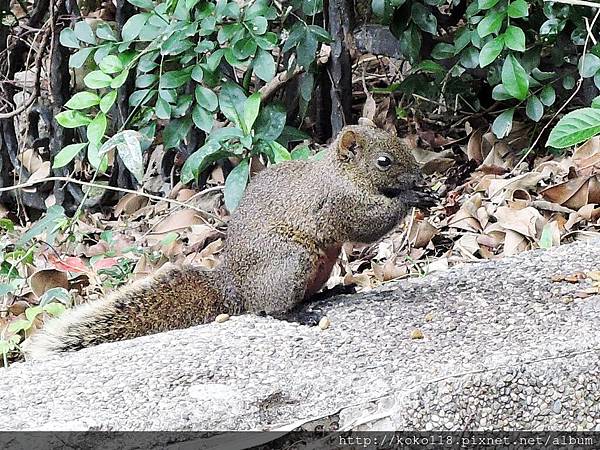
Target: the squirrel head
(383, 162)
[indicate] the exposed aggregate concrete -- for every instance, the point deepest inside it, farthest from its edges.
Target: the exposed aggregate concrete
(506, 348)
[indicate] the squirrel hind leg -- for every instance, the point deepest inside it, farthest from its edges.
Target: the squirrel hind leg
(277, 289)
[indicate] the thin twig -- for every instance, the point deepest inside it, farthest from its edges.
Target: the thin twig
(283, 77)
(576, 2)
(575, 92)
(36, 85)
(111, 188)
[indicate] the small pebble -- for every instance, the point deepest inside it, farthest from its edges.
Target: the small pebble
(429, 317)
(324, 323)
(222, 318)
(416, 334)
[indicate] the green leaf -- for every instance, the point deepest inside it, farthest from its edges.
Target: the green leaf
(141, 97)
(518, 9)
(202, 118)
(320, 33)
(129, 147)
(83, 100)
(490, 24)
(235, 185)
(47, 224)
(443, 51)
(55, 309)
(78, 59)
(231, 101)
(490, 51)
(176, 131)
(251, 108)
(410, 43)
(111, 64)
(270, 122)
(108, 101)
(67, 154)
(184, 102)
(19, 325)
(119, 80)
(264, 65)
(206, 98)
(424, 19)
(568, 82)
(97, 80)
(244, 48)
(163, 109)
(201, 159)
(146, 80)
(306, 49)
(67, 38)
(469, 58)
(514, 78)
(97, 128)
(588, 65)
(197, 73)
(503, 123)
(104, 31)
(312, 7)
(58, 293)
(72, 119)
(133, 26)
(280, 153)
(534, 108)
(546, 237)
(514, 38)
(174, 79)
(487, 4)
(499, 93)
(84, 32)
(301, 153)
(596, 102)
(259, 25)
(548, 95)
(144, 4)
(576, 127)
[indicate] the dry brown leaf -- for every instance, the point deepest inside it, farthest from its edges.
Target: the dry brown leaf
(589, 148)
(514, 243)
(421, 233)
(500, 189)
(130, 203)
(468, 245)
(527, 221)
(474, 151)
(45, 279)
(177, 221)
(466, 217)
(574, 193)
(432, 162)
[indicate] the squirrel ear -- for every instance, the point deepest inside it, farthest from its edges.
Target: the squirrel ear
(347, 144)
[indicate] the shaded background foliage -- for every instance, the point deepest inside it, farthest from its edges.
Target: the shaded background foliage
(133, 126)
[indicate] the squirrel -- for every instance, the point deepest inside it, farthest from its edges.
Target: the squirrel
(282, 243)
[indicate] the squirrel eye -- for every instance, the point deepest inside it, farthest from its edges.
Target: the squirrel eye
(384, 162)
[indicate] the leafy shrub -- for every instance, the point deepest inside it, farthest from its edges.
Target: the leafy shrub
(527, 51)
(193, 61)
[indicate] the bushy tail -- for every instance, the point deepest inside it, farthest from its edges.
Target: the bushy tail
(177, 297)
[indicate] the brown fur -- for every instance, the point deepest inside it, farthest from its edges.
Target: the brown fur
(282, 242)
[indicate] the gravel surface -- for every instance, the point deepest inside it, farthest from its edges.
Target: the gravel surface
(502, 347)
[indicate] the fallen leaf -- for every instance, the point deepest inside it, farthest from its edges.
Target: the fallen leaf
(45, 279)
